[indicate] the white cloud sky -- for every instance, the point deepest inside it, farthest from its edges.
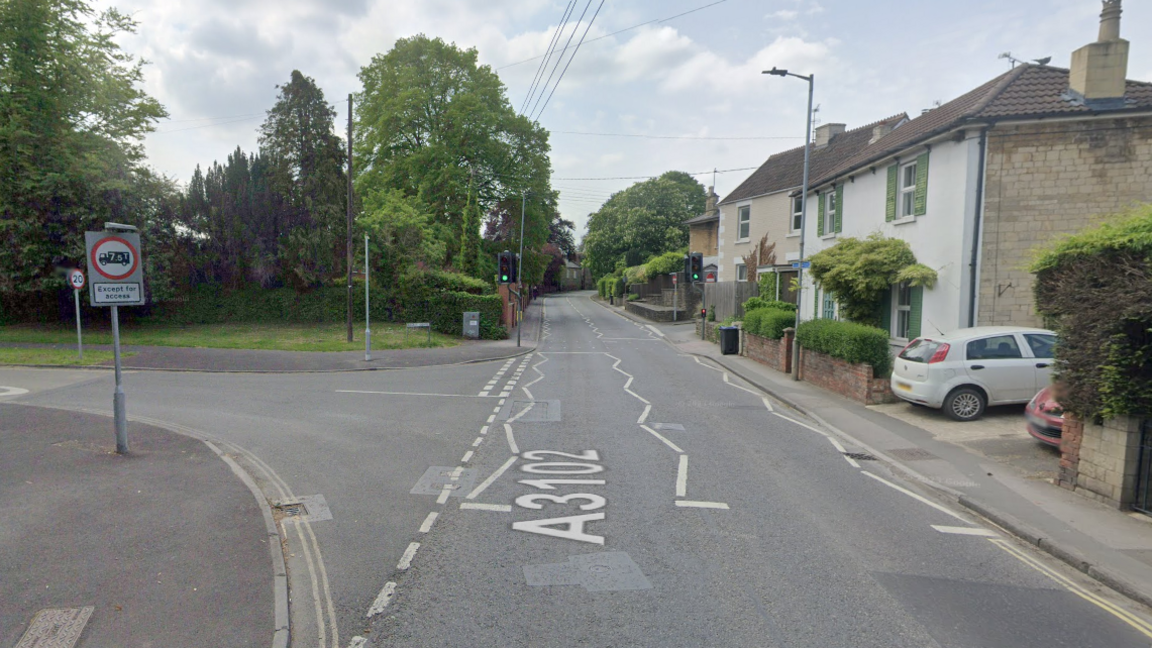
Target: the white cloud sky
(215, 65)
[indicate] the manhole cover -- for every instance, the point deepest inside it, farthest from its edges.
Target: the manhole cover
(912, 454)
(675, 427)
(860, 456)
(310, 508)
(599, 572)
(436, 478)
(55, 628)
(291, 510)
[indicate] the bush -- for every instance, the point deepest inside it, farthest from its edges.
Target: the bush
(854, 343)
(757, 303)
(666, 263)
(618, 287)
(769, 322)
(604, 286)
(633, 297)
(711, 313)
(861, 271)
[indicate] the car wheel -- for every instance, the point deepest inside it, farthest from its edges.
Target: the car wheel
(965, 404)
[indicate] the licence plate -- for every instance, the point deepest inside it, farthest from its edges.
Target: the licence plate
(904, 386)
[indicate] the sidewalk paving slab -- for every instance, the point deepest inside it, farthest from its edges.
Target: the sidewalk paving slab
(1110, 545)
(167, 544)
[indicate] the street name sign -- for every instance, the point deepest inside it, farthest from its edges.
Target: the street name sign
(115, 268)
(797, 265)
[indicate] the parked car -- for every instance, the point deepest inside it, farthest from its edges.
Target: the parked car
(1045, 417)
(967, 370)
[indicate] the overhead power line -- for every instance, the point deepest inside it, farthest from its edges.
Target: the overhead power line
(222, 123)
(559, 58)
(574, 53)
(626, 29)
(649, 177)
(548, 55)
(676, 137)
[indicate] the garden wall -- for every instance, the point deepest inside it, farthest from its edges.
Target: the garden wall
(853, 381)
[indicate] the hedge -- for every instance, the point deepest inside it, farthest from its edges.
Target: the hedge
(756, 303)
(850, 342)
(768, 322)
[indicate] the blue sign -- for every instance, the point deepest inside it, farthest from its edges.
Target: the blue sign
(805, 265)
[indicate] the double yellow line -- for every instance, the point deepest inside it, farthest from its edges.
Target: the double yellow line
(1124, 615)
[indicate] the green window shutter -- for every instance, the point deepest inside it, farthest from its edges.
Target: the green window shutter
(886, 311)
(917, 312)
(893, 178)
(921, 201)
(820, 215)
(840, 208)
(816, 303)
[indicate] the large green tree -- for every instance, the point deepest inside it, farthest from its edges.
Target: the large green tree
(644, 220)
(429, 120)
(71, 119)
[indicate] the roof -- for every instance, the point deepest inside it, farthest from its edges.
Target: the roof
(703, 218)
(1026, 92)
(785, 170)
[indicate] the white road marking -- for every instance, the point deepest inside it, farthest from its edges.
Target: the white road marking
(851, 462)
(491, 478)
(522, 413)
(666, 441)
(708, 505)
(497, 508)
(382, 599)
(428, 521)
(477, 442)
(409, 554)
(682, 477)
(496, 410)
(12, 391)
(803, 425)
(505, 394)
(986, 533)
(491, 417)
(392, 393)
(357, 642)
(644, 416)
(483, 394)
(443, 497)
(484, 430)
(915, 496)
(767, 403)
(467, 457)
(655, 330)
(511, 439)
(836, 444)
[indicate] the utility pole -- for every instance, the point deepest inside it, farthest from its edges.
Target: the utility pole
(520, 264)
(349, 245)
(367, 317)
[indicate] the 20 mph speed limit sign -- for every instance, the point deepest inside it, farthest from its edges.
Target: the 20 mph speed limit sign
(76, 278)
(114, 268)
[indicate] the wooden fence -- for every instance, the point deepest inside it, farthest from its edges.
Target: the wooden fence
(728, 297)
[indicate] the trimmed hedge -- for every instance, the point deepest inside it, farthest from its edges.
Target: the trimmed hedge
(757, 303)
(768, 322)
(850, 342)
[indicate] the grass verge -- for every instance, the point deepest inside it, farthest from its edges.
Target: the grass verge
(276, 337)
(55, 356)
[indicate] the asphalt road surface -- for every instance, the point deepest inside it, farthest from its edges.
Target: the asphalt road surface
(605, 490)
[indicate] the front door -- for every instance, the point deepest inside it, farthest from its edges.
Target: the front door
(998, 363)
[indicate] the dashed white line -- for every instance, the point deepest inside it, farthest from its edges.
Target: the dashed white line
(467, 457)
(491, 417)
(986, 533)
(428, 521)
(498, 508)
(443, 497)
(511, 439)
(484, 430)
(914, 496)
(803, 425)
(682, 477)
(382, 599)
(477, 442)
(409, 554)
(661, 437)
(708, 505)
(491, 478)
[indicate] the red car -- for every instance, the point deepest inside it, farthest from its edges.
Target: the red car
(1045, 417)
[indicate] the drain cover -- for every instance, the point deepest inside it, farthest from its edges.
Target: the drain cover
(599, 572)
(311, 508)
(55, 628)
(675, 427)
(860, 456)
(291, 510)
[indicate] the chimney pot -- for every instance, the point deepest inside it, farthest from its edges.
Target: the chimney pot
(1100, 70)
(1110, 21)
(825, 133)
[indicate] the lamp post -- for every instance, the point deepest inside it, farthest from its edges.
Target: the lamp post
(520, 264)
(811, 79)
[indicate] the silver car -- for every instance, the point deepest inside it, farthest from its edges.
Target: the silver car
(967, 370)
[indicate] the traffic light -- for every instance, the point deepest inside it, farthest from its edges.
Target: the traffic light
(695, 267)
(506, 270)
(514, 263)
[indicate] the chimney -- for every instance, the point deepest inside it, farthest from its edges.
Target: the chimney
(825, 133)
(710, 202)
(879, 132)
(1100, 69)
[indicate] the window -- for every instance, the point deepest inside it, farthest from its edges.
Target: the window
(1041, 344)
(903, 310)
(797, 213)
(994, 348)
(741, 272)
(829, 305)
(743, 223)
(830, 212)
(920, 351)
(907, 205)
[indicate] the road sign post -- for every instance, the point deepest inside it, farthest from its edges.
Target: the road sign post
(117, 279)
(367, 318)
(76, 280)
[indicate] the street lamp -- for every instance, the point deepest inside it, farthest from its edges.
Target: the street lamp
(811, 79)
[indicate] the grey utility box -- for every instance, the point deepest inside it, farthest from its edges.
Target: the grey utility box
(472, 325)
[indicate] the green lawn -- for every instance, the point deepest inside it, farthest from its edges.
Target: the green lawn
(54, 356)
(282, 337)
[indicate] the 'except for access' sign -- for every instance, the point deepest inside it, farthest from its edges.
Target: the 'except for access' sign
(115, 273)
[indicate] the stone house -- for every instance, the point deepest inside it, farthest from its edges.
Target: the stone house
(975, 184)
(703, 236)
(768, 202)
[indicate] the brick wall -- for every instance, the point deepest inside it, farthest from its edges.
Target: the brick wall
(713, 334)
(703, 238)
(853, 381)
(1108, 458)
(774, 353)
(1049, 179)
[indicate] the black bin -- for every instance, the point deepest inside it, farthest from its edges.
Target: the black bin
(729, 340)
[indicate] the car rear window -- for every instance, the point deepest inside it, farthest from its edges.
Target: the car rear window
(919, 351)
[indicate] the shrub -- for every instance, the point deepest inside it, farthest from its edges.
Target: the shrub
(850, 342)
(633, 296)
(769, 322)
(757, 303)
(1096, 290)
(861, 271)
(618, 287)
(666, 263)
(636, 274)
(711, 313)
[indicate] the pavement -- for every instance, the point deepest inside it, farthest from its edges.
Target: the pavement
(262, 361)
(991, 467)
(605, 489)
(167, 545)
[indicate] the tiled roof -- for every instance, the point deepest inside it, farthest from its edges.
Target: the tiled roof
(703, 218)
(1026, 92)
(785, 170)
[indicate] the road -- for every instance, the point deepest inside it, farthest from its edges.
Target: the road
(605, 490)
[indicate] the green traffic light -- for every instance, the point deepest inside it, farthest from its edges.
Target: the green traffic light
(505, 278)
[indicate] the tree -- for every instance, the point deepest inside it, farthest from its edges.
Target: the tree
(764, 254)
(860, 271)
(71, 120)
(644, 220)
(429, 117)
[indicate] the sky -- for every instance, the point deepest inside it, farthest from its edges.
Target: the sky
(691, 85)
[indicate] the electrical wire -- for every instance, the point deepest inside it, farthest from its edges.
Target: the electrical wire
(674, 137)
(560, 58)
(570, 58)
(224, 123)
(626, 29)
(649, 177)
(551, 47)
